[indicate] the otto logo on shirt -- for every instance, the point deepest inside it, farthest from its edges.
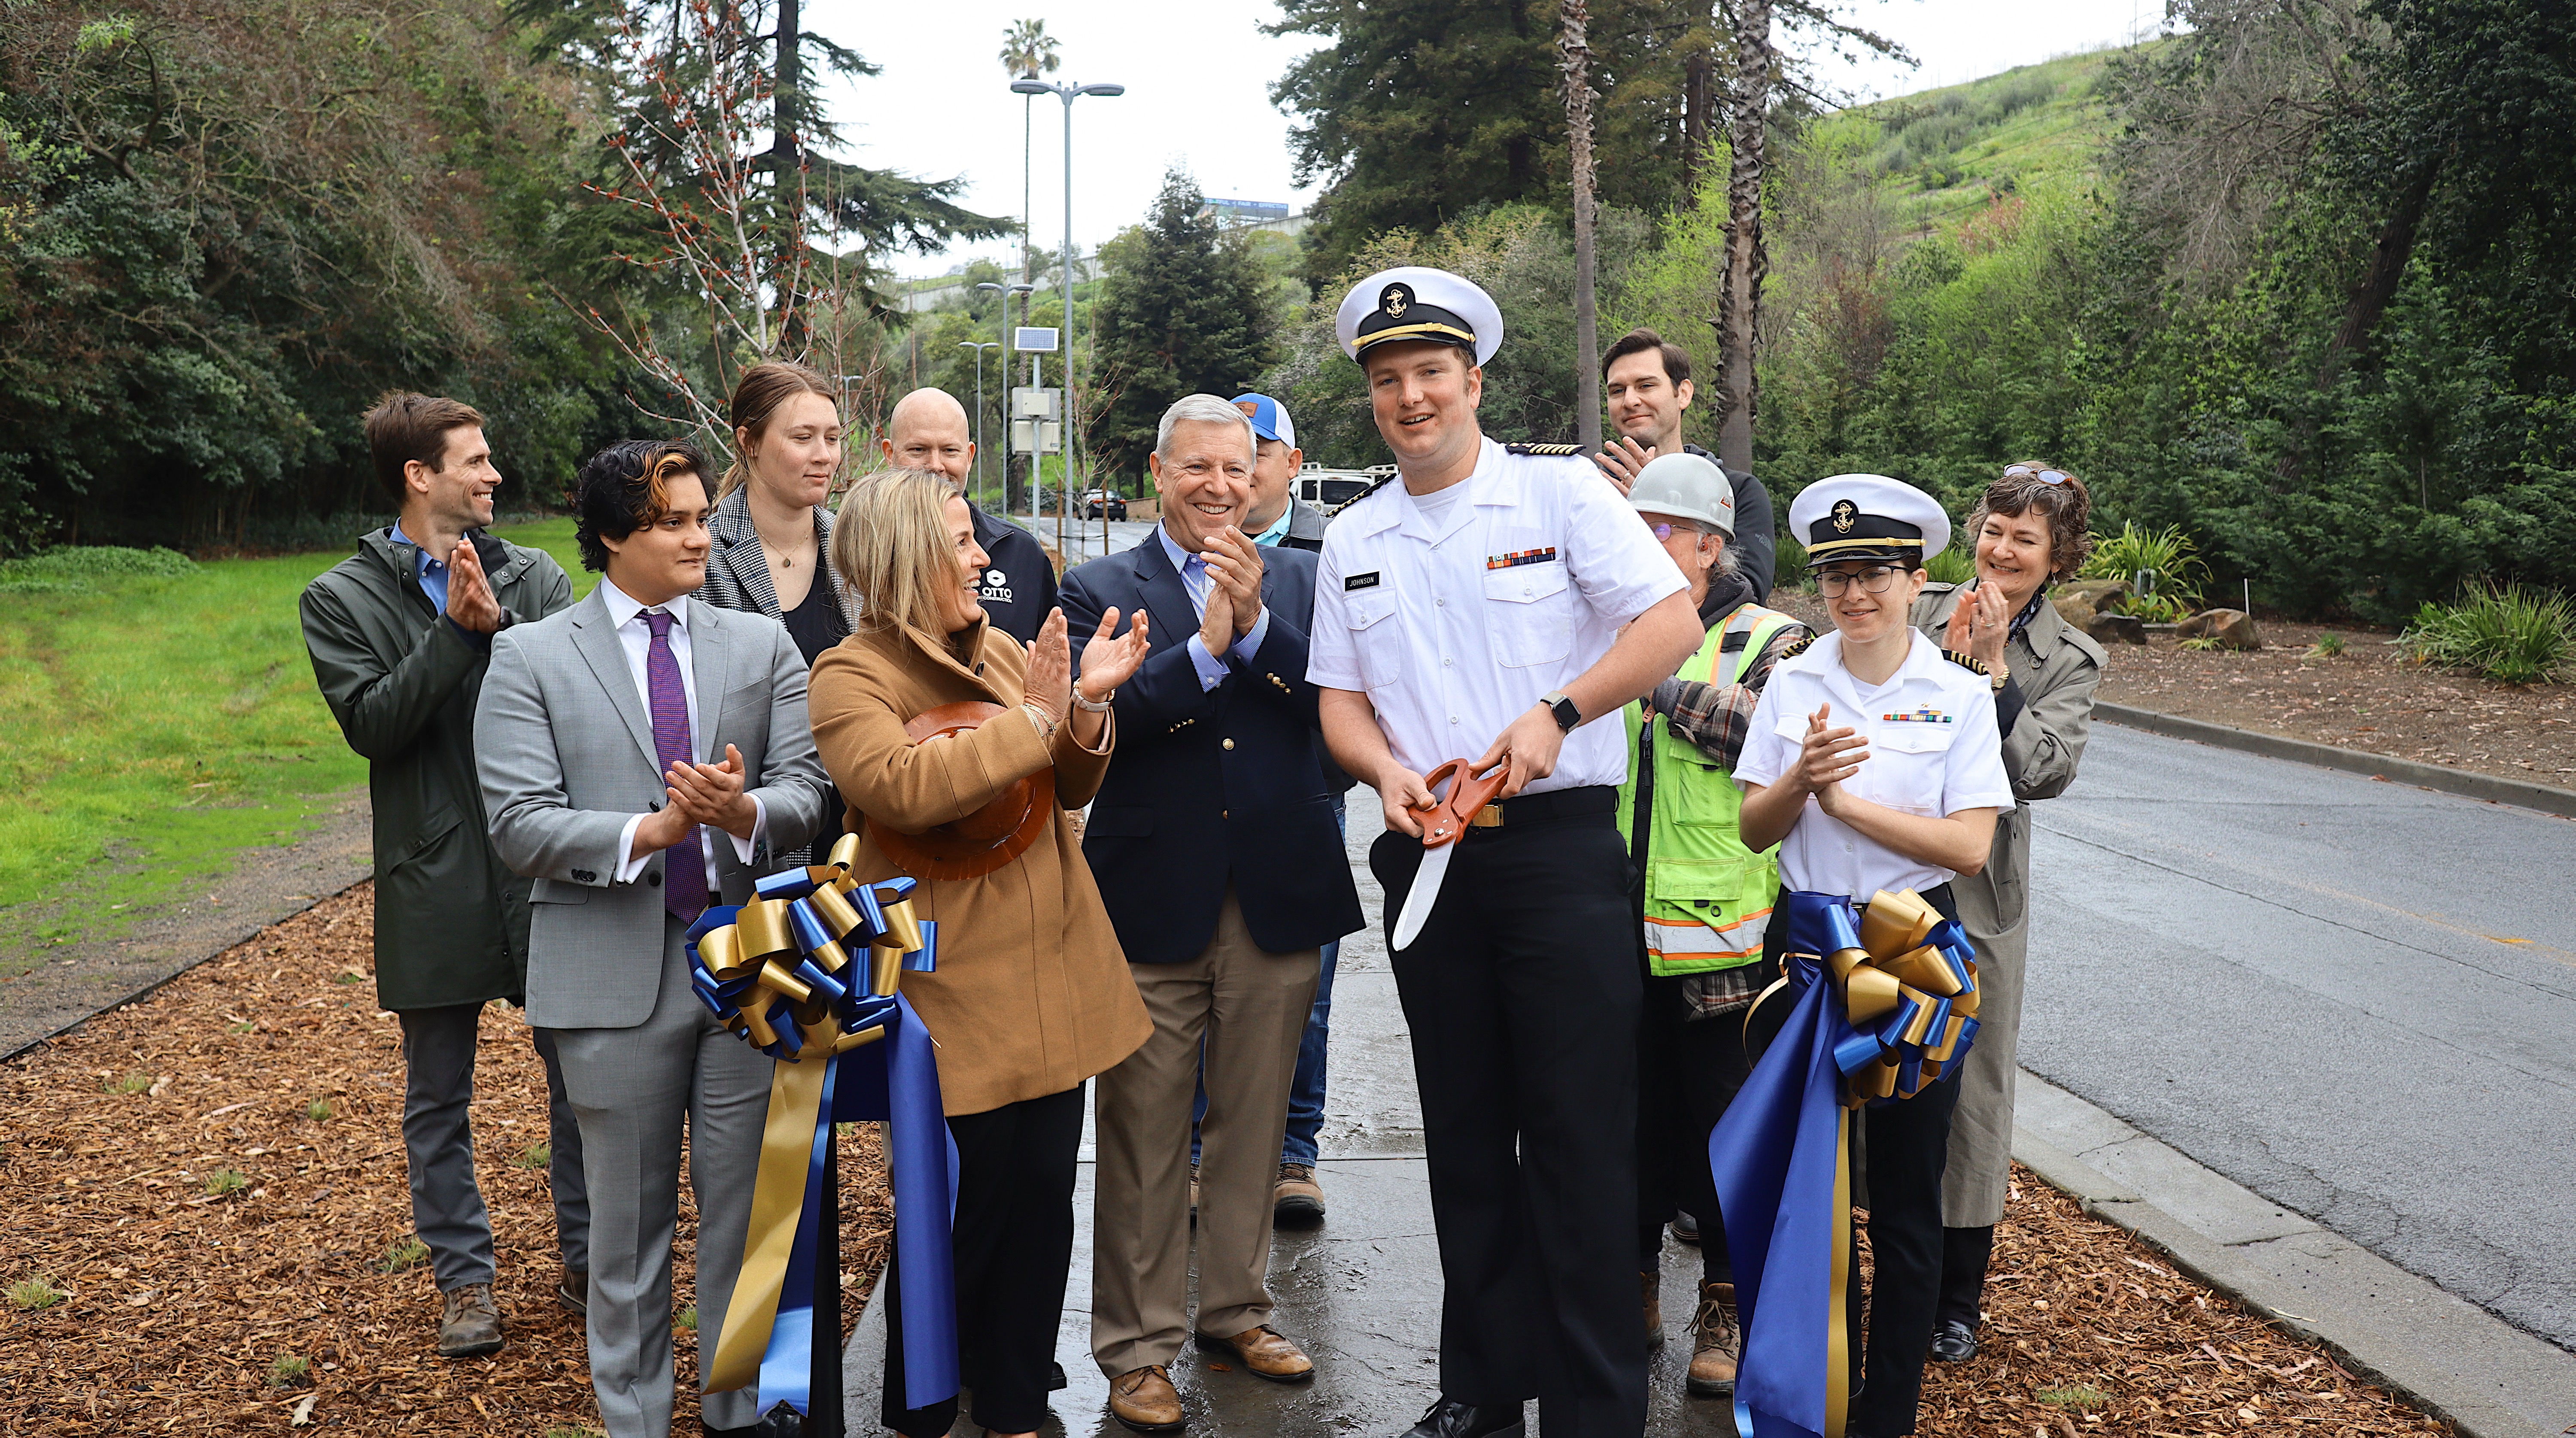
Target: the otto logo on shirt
(997, 587)
(1919, 716)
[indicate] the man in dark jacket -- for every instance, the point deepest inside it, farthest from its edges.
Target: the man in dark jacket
(1213, 843)
(928, 430)
(400, 633)
(1648, 383)
(1279, 519)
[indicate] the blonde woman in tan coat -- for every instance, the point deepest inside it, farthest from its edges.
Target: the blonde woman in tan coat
(1031, 996)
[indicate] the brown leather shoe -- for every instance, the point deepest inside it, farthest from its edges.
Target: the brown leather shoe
(573, 1292)
(1265, 1351)
(1296, 1200)
(1713, 1345)
(469, 1322)
(1651, 1286)
(1145, 1400)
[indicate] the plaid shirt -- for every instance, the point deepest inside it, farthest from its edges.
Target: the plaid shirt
(1714, 718)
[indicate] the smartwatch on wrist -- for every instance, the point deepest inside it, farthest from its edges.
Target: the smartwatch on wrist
(1567, 716)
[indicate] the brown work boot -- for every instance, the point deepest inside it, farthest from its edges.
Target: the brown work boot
(1265, 1351)
(1296, 1200)
(1713, 1342)
(469, 1323)
(1651, 1286)
(1145, 1400)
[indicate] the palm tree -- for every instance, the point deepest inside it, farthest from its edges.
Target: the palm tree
(1575, 49)
(1739, 303)
(1027, 49)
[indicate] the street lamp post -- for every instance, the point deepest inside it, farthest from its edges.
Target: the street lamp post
(1006, 292)
(1068, 93)
(979, 349)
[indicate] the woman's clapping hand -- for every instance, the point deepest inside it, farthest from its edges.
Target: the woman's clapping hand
(1108, 663)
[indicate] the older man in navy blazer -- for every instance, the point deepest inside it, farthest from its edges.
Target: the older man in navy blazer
(1215, 849)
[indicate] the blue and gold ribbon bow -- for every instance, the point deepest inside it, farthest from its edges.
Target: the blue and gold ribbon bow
(808, 974)
(1886, 1004)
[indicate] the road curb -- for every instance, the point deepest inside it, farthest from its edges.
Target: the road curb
(157, 985)
(2418, 1362)
(2466, 783)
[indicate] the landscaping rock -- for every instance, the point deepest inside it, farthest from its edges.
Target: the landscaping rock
(2076, 613)
(2092, 593)
(2117, 629)
(2232, 628)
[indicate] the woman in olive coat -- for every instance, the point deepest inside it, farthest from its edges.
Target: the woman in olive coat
(2029, 530)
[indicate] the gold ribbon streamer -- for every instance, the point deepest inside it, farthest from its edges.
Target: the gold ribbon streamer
(761, 945)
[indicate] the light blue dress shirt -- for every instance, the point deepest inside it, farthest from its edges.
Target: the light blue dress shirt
(431, 572)
(1195, 579)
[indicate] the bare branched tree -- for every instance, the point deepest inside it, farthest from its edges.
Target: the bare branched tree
(2224, 123)
(731, 219)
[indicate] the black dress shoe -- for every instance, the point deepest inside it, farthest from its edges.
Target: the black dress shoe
(1953, 1341)
(1450, 1418)
(780, 1422)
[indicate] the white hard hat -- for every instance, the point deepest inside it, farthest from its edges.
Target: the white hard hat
(1686, 486)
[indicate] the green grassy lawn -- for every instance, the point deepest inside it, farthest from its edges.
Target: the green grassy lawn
(159, 726)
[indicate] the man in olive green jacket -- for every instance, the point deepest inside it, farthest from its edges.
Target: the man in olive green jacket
(400, 633)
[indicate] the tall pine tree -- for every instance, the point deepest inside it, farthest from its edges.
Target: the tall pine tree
(1183, 309)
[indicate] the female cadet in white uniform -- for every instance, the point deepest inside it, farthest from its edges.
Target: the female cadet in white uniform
(1875, 763)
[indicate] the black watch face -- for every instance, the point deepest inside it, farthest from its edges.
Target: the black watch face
(1566, 714)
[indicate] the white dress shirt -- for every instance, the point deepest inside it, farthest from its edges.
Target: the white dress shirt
(1454, 626)
(635, 636)
(1197, 581)
(1933, 750)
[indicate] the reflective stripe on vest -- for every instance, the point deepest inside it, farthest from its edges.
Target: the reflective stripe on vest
(1708, 898)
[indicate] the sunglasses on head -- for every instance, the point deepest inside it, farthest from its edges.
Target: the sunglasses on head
(2044, 476)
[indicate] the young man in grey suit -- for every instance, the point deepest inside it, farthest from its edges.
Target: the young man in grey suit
(644, 756)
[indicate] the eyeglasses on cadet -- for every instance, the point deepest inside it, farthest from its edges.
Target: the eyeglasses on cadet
(1876, 579)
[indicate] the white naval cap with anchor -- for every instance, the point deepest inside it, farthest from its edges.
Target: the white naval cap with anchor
(1867, 516)
(1685, 486)
(1418, 303)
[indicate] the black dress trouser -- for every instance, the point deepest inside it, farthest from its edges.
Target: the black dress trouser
(1013, 1249)
(1689, 1071)
(1522, 996)
(1905, 1147)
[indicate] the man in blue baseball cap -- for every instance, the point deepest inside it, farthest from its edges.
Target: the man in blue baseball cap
(1278, 518)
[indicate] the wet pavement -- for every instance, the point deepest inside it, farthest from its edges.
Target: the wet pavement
(1361, 1293)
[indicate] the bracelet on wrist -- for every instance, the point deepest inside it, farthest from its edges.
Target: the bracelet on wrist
(1090, 707)
(1044, 721)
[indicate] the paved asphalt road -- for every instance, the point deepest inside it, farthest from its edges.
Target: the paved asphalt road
(1082, 536)
(2354, 997)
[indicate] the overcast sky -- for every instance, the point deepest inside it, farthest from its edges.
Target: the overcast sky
(1198, 79)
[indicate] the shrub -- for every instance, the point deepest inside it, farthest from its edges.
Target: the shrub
(288, 1369)
(1951, 566)
(404, 1253)
(226, 1180)
(85, 569)
(2326, 647)
(2168, 553)
(2508, 633)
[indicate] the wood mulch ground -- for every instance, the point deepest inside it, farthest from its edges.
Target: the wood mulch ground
(2089, 1331)
(2373, 696)
(172, 1169)
(120, 1148)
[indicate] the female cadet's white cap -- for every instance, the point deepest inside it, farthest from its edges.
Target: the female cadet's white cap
(1867, 516)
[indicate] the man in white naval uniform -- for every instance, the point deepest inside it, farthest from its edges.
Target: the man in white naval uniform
(1491, 608)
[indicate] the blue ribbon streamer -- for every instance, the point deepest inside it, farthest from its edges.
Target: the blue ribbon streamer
(1779, 1155)
(895, 1079)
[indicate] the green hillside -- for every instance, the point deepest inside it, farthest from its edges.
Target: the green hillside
(1942, 155)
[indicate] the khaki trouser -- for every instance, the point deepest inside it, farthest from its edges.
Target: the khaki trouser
(1248, 1008)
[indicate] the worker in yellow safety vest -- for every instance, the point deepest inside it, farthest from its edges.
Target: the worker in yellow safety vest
(1702, 898)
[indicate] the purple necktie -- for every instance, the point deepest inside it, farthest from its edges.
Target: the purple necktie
(684, 866)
